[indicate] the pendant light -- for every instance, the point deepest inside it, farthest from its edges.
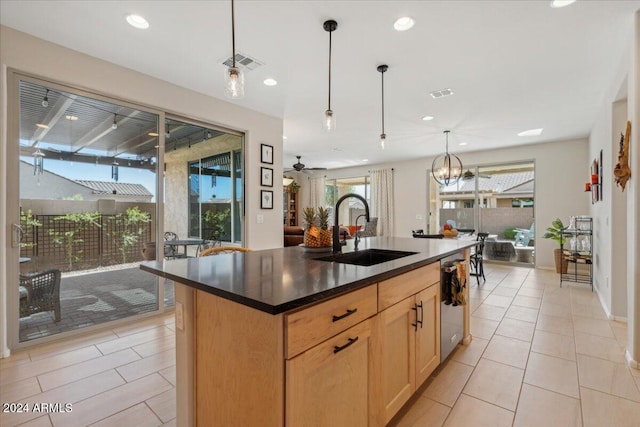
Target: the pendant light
(329, 123)
(234, 82)
(447, 168)
(383, 136)
(114, 125)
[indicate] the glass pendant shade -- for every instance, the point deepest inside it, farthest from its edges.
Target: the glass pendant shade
(447, 168)
(383, 141)
(234, 83)
(329, 120)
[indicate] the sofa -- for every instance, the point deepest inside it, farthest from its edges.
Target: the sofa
(293, 235)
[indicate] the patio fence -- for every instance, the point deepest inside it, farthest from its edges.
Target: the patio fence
(92, 245)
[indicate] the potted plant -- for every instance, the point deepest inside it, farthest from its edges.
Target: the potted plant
(555, 233)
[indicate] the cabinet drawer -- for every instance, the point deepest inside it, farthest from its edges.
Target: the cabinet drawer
(397, 288)
(310, 326)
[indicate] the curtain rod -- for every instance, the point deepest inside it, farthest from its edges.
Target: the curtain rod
(392, 169)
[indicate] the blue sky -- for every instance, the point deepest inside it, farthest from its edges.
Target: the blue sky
(93, 172)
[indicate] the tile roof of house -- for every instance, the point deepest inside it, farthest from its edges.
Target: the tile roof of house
(121, 188)
(498, 183)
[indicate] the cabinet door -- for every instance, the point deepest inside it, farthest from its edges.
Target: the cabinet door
(428, 333)
(397, 335)
(329, 384)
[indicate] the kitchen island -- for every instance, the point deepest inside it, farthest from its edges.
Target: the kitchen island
(277, 337)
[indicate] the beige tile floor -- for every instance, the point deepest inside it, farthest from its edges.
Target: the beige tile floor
(540, 356)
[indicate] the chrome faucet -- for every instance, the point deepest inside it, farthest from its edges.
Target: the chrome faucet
(337, 247)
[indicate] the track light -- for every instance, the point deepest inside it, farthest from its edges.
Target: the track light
(45, 100)
(114, 126)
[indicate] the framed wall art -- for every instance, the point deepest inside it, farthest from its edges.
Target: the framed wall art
(266, 199)
(266, 177)
(266, 153)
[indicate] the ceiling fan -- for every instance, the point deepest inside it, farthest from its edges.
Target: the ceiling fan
(468, 175)
(299, 166)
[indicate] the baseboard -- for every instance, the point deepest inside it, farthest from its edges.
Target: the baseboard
(603, 304)
(633, 363)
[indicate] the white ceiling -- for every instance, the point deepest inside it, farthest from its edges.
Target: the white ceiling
(513, 65)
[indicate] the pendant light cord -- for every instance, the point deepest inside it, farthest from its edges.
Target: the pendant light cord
(330, 70)
(233, 34)
(382, 102)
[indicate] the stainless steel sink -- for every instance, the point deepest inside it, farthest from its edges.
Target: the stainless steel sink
(366, 257)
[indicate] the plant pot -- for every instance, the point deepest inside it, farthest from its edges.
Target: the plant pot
(561, 264)
(149, 251)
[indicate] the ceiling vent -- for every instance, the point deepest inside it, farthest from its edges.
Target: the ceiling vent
(243, 61)
(441, 93)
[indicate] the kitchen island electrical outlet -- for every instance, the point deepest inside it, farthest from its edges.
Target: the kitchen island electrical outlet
(179, 316)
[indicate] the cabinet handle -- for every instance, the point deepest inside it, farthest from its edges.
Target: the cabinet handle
(342, 316)
(337, 349)
(415, 308)
(421, 315)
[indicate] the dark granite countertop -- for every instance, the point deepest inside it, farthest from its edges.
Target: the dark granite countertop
(279, 280)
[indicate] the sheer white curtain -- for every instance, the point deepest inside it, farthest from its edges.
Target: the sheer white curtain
(382, 200)
(316, 192)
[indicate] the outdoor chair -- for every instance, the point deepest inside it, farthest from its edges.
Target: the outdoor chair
(476, 258)
(171, 251)
(524, 236)
(40, 292)
(222, 250)
(370, 228)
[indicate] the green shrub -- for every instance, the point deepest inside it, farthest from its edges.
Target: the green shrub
(510, 233)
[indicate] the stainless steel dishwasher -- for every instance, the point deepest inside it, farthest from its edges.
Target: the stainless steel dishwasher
(451, 313)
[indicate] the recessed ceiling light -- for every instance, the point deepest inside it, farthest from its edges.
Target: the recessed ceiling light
(41, 125)
(365, 160)
(70, 117)
(463, 143)
(561, 3)
(137, 21)
(403, 24)
(153, 134)
(270, 82)
(427, 118)
(531, 132)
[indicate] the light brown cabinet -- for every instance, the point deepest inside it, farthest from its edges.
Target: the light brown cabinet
(330, 384)
(351, 360)
(410, 342)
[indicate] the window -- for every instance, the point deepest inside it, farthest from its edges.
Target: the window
(213, 209)
(350, 209)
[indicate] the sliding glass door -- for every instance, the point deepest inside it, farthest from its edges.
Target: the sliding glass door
(496, 199)
(84, 209)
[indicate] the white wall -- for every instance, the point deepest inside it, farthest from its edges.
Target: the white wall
(52, 62)
(562, 168)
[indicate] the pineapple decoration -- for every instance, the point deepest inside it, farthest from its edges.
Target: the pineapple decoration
(323, 222)
(316, 231)
(311, 231)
